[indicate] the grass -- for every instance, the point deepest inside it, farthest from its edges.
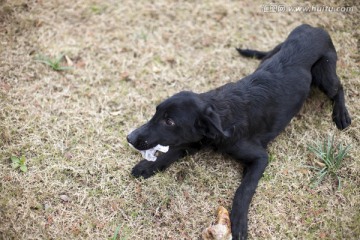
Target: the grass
(19, 163)
(116, 233)
(331, 156)
(128, 56)
(97, 9)
(54, 63)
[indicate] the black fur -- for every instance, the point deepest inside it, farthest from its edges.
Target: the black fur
(251, 53)
(241, 118)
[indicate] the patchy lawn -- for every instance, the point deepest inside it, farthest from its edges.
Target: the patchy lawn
(125, 57)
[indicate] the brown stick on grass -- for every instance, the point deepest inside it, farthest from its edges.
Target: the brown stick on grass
(221, 230)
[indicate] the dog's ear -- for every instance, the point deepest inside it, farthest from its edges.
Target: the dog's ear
(210, 124)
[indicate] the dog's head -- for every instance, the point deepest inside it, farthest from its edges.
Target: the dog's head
(181, 119)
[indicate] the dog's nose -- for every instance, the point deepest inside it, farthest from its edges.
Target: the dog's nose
(129, 139)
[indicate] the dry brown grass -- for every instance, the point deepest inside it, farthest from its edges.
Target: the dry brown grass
(128, 56)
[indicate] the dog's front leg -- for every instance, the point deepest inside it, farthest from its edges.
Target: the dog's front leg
(147, 168)
(255, 159)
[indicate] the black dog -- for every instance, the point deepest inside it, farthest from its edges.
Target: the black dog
(241, 118)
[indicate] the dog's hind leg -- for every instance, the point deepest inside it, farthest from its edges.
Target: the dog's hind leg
(324, 76)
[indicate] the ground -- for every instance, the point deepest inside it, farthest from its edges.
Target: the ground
(125, 57)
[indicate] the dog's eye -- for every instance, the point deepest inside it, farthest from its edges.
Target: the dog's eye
(169, 122)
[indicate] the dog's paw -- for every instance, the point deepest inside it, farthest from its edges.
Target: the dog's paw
(144, 169)
(341, 117)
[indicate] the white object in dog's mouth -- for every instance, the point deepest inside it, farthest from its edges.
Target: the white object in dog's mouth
(150, 153)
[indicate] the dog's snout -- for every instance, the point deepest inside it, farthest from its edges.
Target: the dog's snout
(137, 140)
(131, 138)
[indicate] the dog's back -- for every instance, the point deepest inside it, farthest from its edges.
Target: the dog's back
(305, 46)
(297, 43)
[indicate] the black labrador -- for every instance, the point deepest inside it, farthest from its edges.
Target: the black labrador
(241, 118)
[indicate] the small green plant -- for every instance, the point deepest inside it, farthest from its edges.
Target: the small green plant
(331, 156)
(19, 162)
(117, 230)
(143, 36)
(98, 9)
(55, 63)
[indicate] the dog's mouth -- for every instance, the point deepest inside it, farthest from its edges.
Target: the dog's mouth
(152, 153)
(132, 146)
(140, 144)
(142, 147)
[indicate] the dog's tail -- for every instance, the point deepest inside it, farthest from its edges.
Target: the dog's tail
(252, 53)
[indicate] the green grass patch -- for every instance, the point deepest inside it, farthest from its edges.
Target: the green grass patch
(53, 63)
(97, 9)
(19, 163)
(331, 156)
